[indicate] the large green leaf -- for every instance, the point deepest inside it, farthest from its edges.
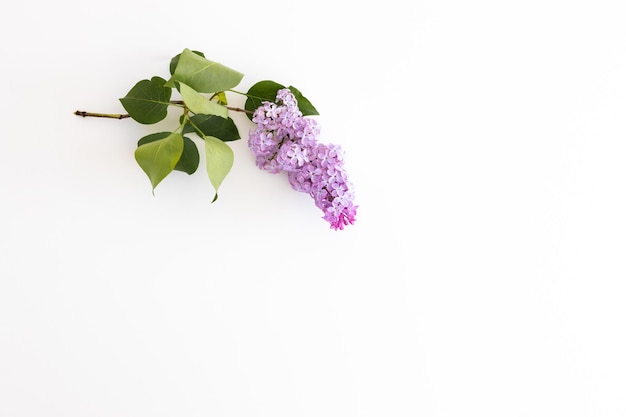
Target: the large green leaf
(147, 101)
(207, 125)
(266, 91)
(200, 104)
(203, 75)
(174, 61)
(190, 158)
(159, 157)
(219, 161)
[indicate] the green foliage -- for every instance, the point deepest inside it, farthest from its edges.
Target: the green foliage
(207, 125)
(219, 161)
(159, 157)
(221, 98)
(266, 91)
(174, 61)
(190, 158)
(147, 101)
(199, 104)
(260, 92)
(203, 75)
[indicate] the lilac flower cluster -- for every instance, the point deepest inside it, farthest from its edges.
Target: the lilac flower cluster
(284, 140)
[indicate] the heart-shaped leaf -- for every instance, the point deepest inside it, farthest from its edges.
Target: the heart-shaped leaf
(147, 101)
(190, 158)
(219, 161)
(203, 75)
(199, 104)
(159, 157)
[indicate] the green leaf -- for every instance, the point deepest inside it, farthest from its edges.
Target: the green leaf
(147, 101)
(219, 161)
(190, 158)
(158, 158)
(221, 98)
(174, 61)
(223, 129)
(153, 137)
(203, 75)
(266, 91)
(260, 92)
(304, 104)
(199, 104)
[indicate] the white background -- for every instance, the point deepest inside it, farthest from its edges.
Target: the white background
(485, 275)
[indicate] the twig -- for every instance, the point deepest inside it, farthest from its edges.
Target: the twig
(125, 116)
(107, 115)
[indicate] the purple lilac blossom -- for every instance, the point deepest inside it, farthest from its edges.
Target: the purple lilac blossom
(284, 140)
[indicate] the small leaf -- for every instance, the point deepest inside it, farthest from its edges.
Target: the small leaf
(199, 104)
(147, 101)
(304, 104)
(219, 161)
(223, 129)
(267, 90)
(189, 159)
(158, 157)
(221, 98)
(260, 92)
(203, 75)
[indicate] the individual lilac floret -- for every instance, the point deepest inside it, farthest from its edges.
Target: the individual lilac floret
(284, 140)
